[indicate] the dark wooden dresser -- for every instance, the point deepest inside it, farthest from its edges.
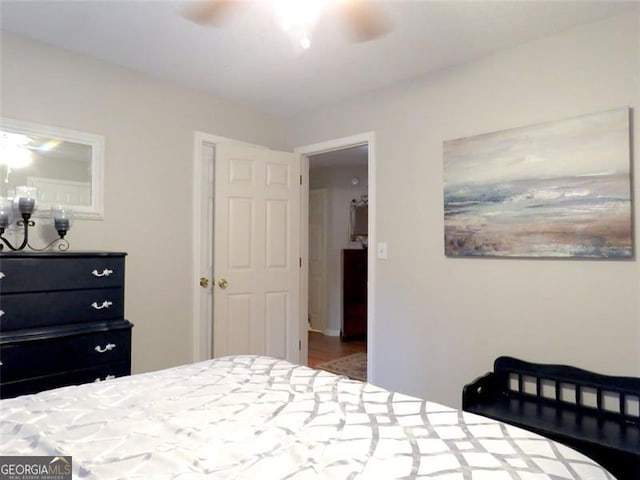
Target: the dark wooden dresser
(354, 294)
(61, 320)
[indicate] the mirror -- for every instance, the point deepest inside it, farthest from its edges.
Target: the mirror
(65, 166)
(359, 221)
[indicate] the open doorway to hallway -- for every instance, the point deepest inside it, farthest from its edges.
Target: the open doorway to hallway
(338, 240)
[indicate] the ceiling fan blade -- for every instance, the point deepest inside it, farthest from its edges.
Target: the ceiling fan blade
(209, 12)
(364, 20)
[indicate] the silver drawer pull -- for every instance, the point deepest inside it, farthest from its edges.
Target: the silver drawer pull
(1, 313)
(2, 275)
(1, 364)
(105, 273)
(108, 377)
(108, 347)
(105, 304)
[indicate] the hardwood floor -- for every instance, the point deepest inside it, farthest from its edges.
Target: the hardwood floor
(323, 348)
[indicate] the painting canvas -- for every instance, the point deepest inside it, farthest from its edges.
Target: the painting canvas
(561, 189)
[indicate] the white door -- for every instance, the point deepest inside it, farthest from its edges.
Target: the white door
(256, 252)
(317, 258)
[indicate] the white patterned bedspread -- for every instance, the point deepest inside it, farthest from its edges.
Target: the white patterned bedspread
(248, 417)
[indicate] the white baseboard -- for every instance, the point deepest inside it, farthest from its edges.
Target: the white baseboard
(315, 330)
(331, 333)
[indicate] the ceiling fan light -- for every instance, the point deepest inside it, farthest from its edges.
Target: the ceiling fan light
(305, 42)
(297, 14)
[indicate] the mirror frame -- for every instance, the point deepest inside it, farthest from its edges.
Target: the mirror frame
(95, 211)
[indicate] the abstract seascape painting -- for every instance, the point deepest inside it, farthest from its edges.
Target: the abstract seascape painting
(560, 189)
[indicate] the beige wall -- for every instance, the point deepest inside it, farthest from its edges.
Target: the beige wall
(340, 192)
(149, 127)
(441, 322)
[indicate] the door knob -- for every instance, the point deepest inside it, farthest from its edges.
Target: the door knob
(222, 283)
(204, 282)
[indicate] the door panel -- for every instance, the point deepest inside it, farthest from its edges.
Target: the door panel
(277, 175)
(240, 320)
(277, 230)
(240, 223)
(241, 171)
(277, 319)
(315, 300)
(256, 251)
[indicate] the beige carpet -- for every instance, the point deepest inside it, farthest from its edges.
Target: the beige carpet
(353, 366)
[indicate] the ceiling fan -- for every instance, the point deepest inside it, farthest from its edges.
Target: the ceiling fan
(363, 19)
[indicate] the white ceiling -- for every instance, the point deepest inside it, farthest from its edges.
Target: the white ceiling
(250, 60)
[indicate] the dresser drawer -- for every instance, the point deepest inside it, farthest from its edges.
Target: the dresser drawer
(31, 310)
(36, 274)
(28, 358)
(77, 377)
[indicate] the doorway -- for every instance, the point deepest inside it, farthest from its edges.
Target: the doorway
(202, 179)
(338, 190)
(342, 169)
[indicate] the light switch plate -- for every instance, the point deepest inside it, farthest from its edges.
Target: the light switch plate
(382, 250)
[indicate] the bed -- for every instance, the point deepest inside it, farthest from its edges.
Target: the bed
(253, 417)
